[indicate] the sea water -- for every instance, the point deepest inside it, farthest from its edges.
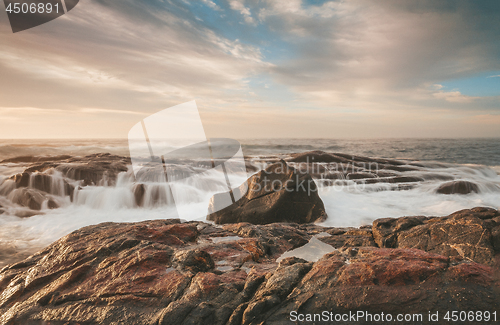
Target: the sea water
(475, 160)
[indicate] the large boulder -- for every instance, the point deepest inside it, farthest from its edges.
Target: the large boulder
(278, 193)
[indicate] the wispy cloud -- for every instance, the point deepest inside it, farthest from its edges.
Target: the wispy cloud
(454, 96)
(211, 4)
(106, 111)
(239, 6)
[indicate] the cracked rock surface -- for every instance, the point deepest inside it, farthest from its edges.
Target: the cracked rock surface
(168, 272)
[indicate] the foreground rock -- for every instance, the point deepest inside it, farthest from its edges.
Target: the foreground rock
(167, 272)
(278, 193)
(467, 234)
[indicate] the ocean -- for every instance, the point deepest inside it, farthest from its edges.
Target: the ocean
(475, 160)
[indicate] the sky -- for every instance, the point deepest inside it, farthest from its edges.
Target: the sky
(257, 68)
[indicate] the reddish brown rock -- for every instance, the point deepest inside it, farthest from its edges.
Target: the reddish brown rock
(390, 281)
(467, 234)
(343, 238)
(167, 272)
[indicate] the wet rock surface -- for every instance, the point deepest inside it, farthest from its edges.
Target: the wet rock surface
(464, 235)
(167, 272)
(58, 178)
(95, 169)
(32, 199)
(332, 168)
(278, 193)
(458, 187)
(48, 182)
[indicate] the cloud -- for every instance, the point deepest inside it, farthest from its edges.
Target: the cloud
(292, 68)
(211, 4)
(104, 48)
(27, 110)
(106, 111)
(238, 5)
(454, 97)
(363, 51)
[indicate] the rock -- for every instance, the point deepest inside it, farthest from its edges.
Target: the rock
(277, 194)
(389, 281)
(349, 238)
(21, 180)
(495, 238)
(194, 260)
(31, 198)
(153, 271)
(318, 157)
(44, 182)
(167, 272)
(360, 176)
(51, 204)
(34, 159)
(336, 169)
(466, 234)
(385, 230)
(405, 179)
(274, 290)
(26, 213)
(69, 189)
(139, 190)
(96, 169)
(458, 187)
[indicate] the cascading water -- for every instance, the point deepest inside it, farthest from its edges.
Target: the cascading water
(125, 198)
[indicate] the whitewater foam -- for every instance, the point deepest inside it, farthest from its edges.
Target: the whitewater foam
(351, 204)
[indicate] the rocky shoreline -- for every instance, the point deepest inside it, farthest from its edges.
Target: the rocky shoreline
(263, 257)
(168, 272)
(53, 182)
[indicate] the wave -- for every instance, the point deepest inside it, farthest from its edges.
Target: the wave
(407, 189)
